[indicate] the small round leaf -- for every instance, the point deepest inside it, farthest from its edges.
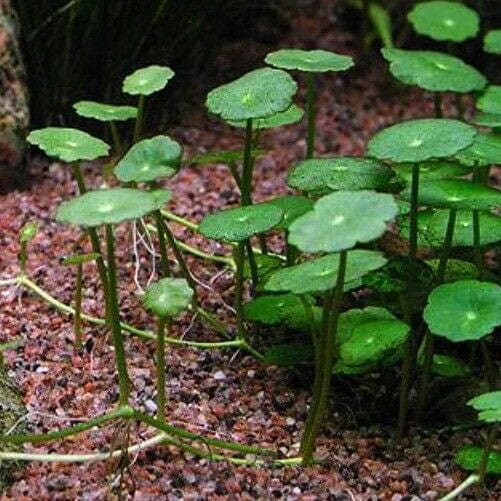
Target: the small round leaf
(431, 170)
(320, 274)
(422, 139)
(237, 225)
(488, 120)
(146, 81)
(467, 310)
(292, 206)
(442, 20)
(433, 71)
(311, 61)
(68, 145)
(489, 406)
(485, 150)
(470, 456)
(458, 194)
(257, 94)
(168, 297)
(342, 219)
(104, 112)
(160, 196)
(149, 160)
(323, 175)
(450, 367)
(110, 206)
(492, 42)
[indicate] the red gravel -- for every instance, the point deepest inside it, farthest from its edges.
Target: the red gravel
(218, 393)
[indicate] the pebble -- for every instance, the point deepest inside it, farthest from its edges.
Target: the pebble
(220, 376)
(150, 406)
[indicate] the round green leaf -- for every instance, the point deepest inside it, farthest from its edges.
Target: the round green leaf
(432, 169)
(323, 175)
(492, 42)
(285, 309)
(160, 197)
(489, 406)
(422, 139)
(312, 61)
(433, 71)
(450, 367)
(68, 145)
(488, 120)
(342, 219)
(111, 206)
(490, 100)
(236, 225)
(292, 206)
(424, 238)
(485, 150)
(441, 20)
(490, 228)
(257, 94)
(320, 274)
(369, 336)
(104, 112)
(149, 160)
(146, 81)
(28, 232)
(469, 458)
(458, 194)
(290, 116)
(168, 297)
(265, 264)
(466, 310)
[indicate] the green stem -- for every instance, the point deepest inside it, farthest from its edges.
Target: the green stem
(484, 460)
(164, 258)
(118, 342)
(246, 198)
(117, 142)
(492, 375)
(236, 175)
(161, 369)
(310, 110)
(214, 442)
(320, 396)
(471, 480)
(37, 438)
(77, 320)
(405, 386)
(425, 377)
(437, 103)
(413, 232)
(139, 120)
(252, 264)
(239, 259)
(446, 247)
(477, 250)
(179, 220)
(23, 257)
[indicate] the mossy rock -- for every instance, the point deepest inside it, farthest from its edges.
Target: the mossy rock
(11, 410)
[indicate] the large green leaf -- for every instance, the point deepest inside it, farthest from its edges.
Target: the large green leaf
(149, 160)
(257, 94)
(110, 206)
(104, 112)
(466, 310)
(313, 61)
(236, 225)
(433, 71)
(469, 459)
(320, 274)
(146, 81)
(442, 20)
(68, 145)
(457, 194)
(342, 219)
(492, 42)
(432, 169)
(489, 406)
(421, 139)
(168, 297)
(323, 175)
(369, 336)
